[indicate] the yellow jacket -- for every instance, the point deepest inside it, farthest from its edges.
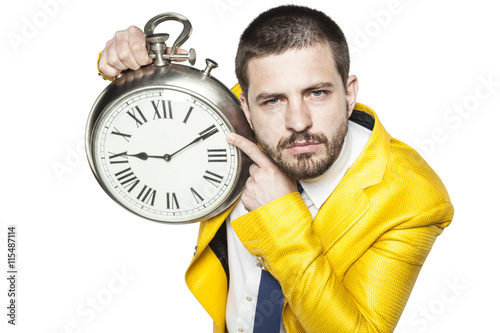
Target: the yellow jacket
(352, 268)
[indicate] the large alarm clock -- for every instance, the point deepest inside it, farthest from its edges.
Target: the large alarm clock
(156, 137)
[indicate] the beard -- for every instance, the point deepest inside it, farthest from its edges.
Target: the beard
(307, 165)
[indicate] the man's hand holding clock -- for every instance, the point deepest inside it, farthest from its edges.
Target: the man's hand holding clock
(126, 50)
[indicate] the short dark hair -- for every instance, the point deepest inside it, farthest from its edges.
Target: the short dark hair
(282, 28)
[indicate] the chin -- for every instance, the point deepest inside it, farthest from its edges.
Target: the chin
(305, 166)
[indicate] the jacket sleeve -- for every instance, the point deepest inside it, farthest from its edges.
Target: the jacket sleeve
(372, 293)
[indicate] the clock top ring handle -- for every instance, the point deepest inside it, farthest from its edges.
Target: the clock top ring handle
(157, 41)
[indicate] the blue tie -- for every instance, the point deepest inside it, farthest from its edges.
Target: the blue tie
(269, 305)
(299, 187)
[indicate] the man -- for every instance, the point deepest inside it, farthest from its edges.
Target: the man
(344, 253)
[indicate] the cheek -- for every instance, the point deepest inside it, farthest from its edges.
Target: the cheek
(264, 134)
(267, 134)
(269, 124)
(328, 117)
(332, 126)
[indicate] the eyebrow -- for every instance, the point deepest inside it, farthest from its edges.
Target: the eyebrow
(317, 86)
(266, 96)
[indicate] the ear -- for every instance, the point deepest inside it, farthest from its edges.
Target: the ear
(351, 93)
(246, 109)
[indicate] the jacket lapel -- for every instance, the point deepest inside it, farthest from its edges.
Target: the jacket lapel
(207, 231)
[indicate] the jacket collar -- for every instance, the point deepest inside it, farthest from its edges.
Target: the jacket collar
(370, 166)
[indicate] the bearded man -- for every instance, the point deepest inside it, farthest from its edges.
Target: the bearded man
(337, 217)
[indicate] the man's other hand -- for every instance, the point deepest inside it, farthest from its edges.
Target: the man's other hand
(266, 182)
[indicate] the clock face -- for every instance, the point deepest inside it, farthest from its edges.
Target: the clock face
(163, 154)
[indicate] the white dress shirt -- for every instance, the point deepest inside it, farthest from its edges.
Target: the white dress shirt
(244, 270)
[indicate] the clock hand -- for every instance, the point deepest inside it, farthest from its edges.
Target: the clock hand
(201, 137)
(143, 156)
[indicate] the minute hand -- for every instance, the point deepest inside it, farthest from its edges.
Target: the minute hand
(203, 135)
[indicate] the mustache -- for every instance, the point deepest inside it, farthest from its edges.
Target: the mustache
(302, 136)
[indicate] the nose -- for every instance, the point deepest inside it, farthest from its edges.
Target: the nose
(298, 116)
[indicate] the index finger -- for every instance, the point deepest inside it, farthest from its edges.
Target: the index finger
(251, 149)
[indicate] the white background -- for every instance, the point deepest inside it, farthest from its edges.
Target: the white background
(418, 62)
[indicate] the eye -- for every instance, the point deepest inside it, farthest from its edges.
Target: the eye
(272, 101)
(317, 93)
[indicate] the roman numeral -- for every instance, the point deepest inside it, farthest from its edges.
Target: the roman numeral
(172, 202)
(196, 196)
(208, 132)
(117, 132)
(118, 158)
(164, 113)
(213, 178)
(147, 195)
(127, 179)
(217, 155)
(188, 115)
(132, 114)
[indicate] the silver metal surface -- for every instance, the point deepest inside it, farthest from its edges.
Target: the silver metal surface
(210, 65)
(157, 48)
(158, 45)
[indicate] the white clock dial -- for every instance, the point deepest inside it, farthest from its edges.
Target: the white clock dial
(163, 154)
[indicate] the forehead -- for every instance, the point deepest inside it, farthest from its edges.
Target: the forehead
(293, 69)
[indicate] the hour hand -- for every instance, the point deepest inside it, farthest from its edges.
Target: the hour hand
(143, 156)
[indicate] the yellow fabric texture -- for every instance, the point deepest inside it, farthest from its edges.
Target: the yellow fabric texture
(352, 268)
